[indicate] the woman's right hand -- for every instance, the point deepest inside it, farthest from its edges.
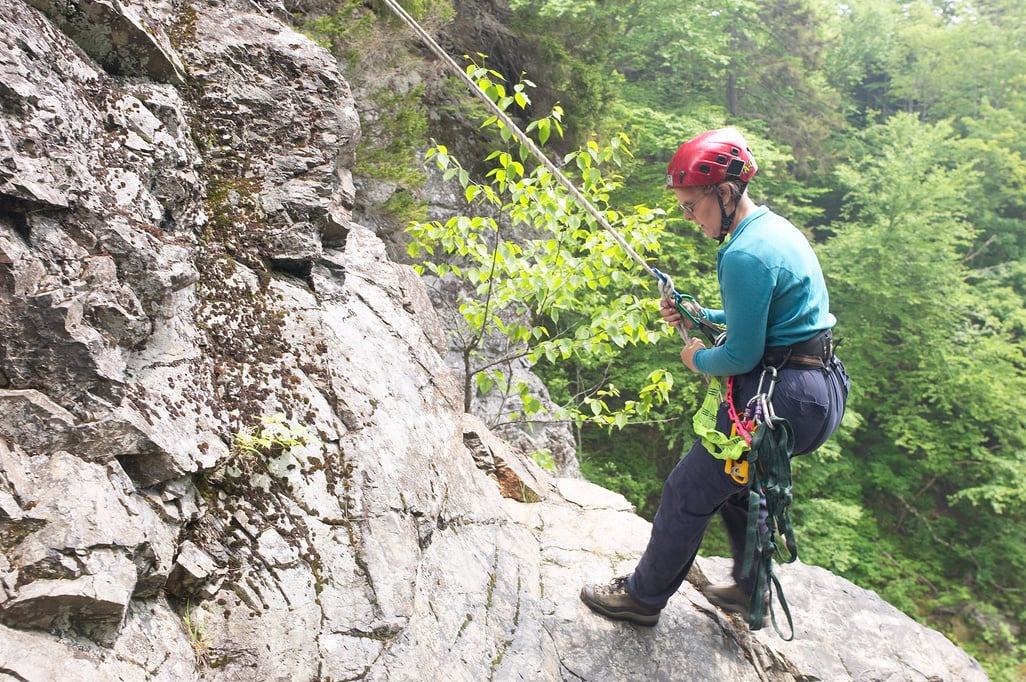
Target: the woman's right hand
(673, 317)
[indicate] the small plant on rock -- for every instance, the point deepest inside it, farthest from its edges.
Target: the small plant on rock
(198, 637)
(275, 434)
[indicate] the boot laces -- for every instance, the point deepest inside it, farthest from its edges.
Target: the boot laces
(617, 585)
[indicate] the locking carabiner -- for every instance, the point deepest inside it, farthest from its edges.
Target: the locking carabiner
(763, 400)
(711, 331)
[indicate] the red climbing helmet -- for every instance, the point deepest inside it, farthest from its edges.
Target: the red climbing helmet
(711, 158)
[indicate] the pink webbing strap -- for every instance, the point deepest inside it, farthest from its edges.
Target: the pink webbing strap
(743, 427)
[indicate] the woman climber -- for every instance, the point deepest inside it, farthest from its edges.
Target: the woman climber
(778, 324)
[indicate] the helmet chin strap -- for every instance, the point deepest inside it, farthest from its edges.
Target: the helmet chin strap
(726, 219)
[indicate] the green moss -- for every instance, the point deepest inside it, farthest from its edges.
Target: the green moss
(399, 127)
(341, 31)
(463, 626)
(404, 208)
(184, 29)
(394, 120)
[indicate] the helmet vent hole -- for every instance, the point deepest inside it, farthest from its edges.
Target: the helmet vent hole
(704, 168)
(735, 168)
(735, 151)
(721, 159)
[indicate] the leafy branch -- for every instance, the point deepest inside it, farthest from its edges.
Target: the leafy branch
(547, 283)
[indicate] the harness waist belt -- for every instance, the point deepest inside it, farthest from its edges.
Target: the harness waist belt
(816, 352)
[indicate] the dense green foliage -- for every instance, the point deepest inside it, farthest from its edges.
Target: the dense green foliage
(892, 132)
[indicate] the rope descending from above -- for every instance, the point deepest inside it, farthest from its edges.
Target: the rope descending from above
(517, 132)
(665, 283)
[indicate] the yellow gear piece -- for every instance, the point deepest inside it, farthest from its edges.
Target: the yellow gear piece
(737, 470)
(733, 468)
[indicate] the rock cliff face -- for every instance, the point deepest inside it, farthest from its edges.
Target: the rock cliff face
(230, 447)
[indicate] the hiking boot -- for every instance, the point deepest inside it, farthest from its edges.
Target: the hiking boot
(613, 601)
(730, 598)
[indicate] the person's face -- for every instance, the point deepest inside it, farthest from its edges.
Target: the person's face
(700, 207)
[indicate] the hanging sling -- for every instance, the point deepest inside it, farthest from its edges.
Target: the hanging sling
(770, 467)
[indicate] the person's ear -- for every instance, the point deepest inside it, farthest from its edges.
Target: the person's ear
(725, 194)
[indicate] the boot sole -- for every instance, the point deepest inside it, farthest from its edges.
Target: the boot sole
(742, 610)
(730, 607)
(646, 619)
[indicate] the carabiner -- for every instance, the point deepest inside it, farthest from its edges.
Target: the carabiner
(679, 300)
(712, 332)
(773, 382)
(764, 399)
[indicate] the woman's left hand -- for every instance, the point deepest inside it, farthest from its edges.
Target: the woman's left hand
(687, 355)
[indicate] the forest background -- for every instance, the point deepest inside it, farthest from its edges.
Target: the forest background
(890, 132)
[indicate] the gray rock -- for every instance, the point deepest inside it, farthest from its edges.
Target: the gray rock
(117, 36)
(195, 574)
(90, 548)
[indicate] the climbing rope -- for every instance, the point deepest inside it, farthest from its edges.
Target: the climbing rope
(518, 133)
(665, 283)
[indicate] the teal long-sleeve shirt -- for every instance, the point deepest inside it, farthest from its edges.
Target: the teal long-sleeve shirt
(772, 290)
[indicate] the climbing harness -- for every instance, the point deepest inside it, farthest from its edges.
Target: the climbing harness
(671, 294)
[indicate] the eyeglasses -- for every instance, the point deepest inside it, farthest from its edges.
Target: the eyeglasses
(689, 207)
